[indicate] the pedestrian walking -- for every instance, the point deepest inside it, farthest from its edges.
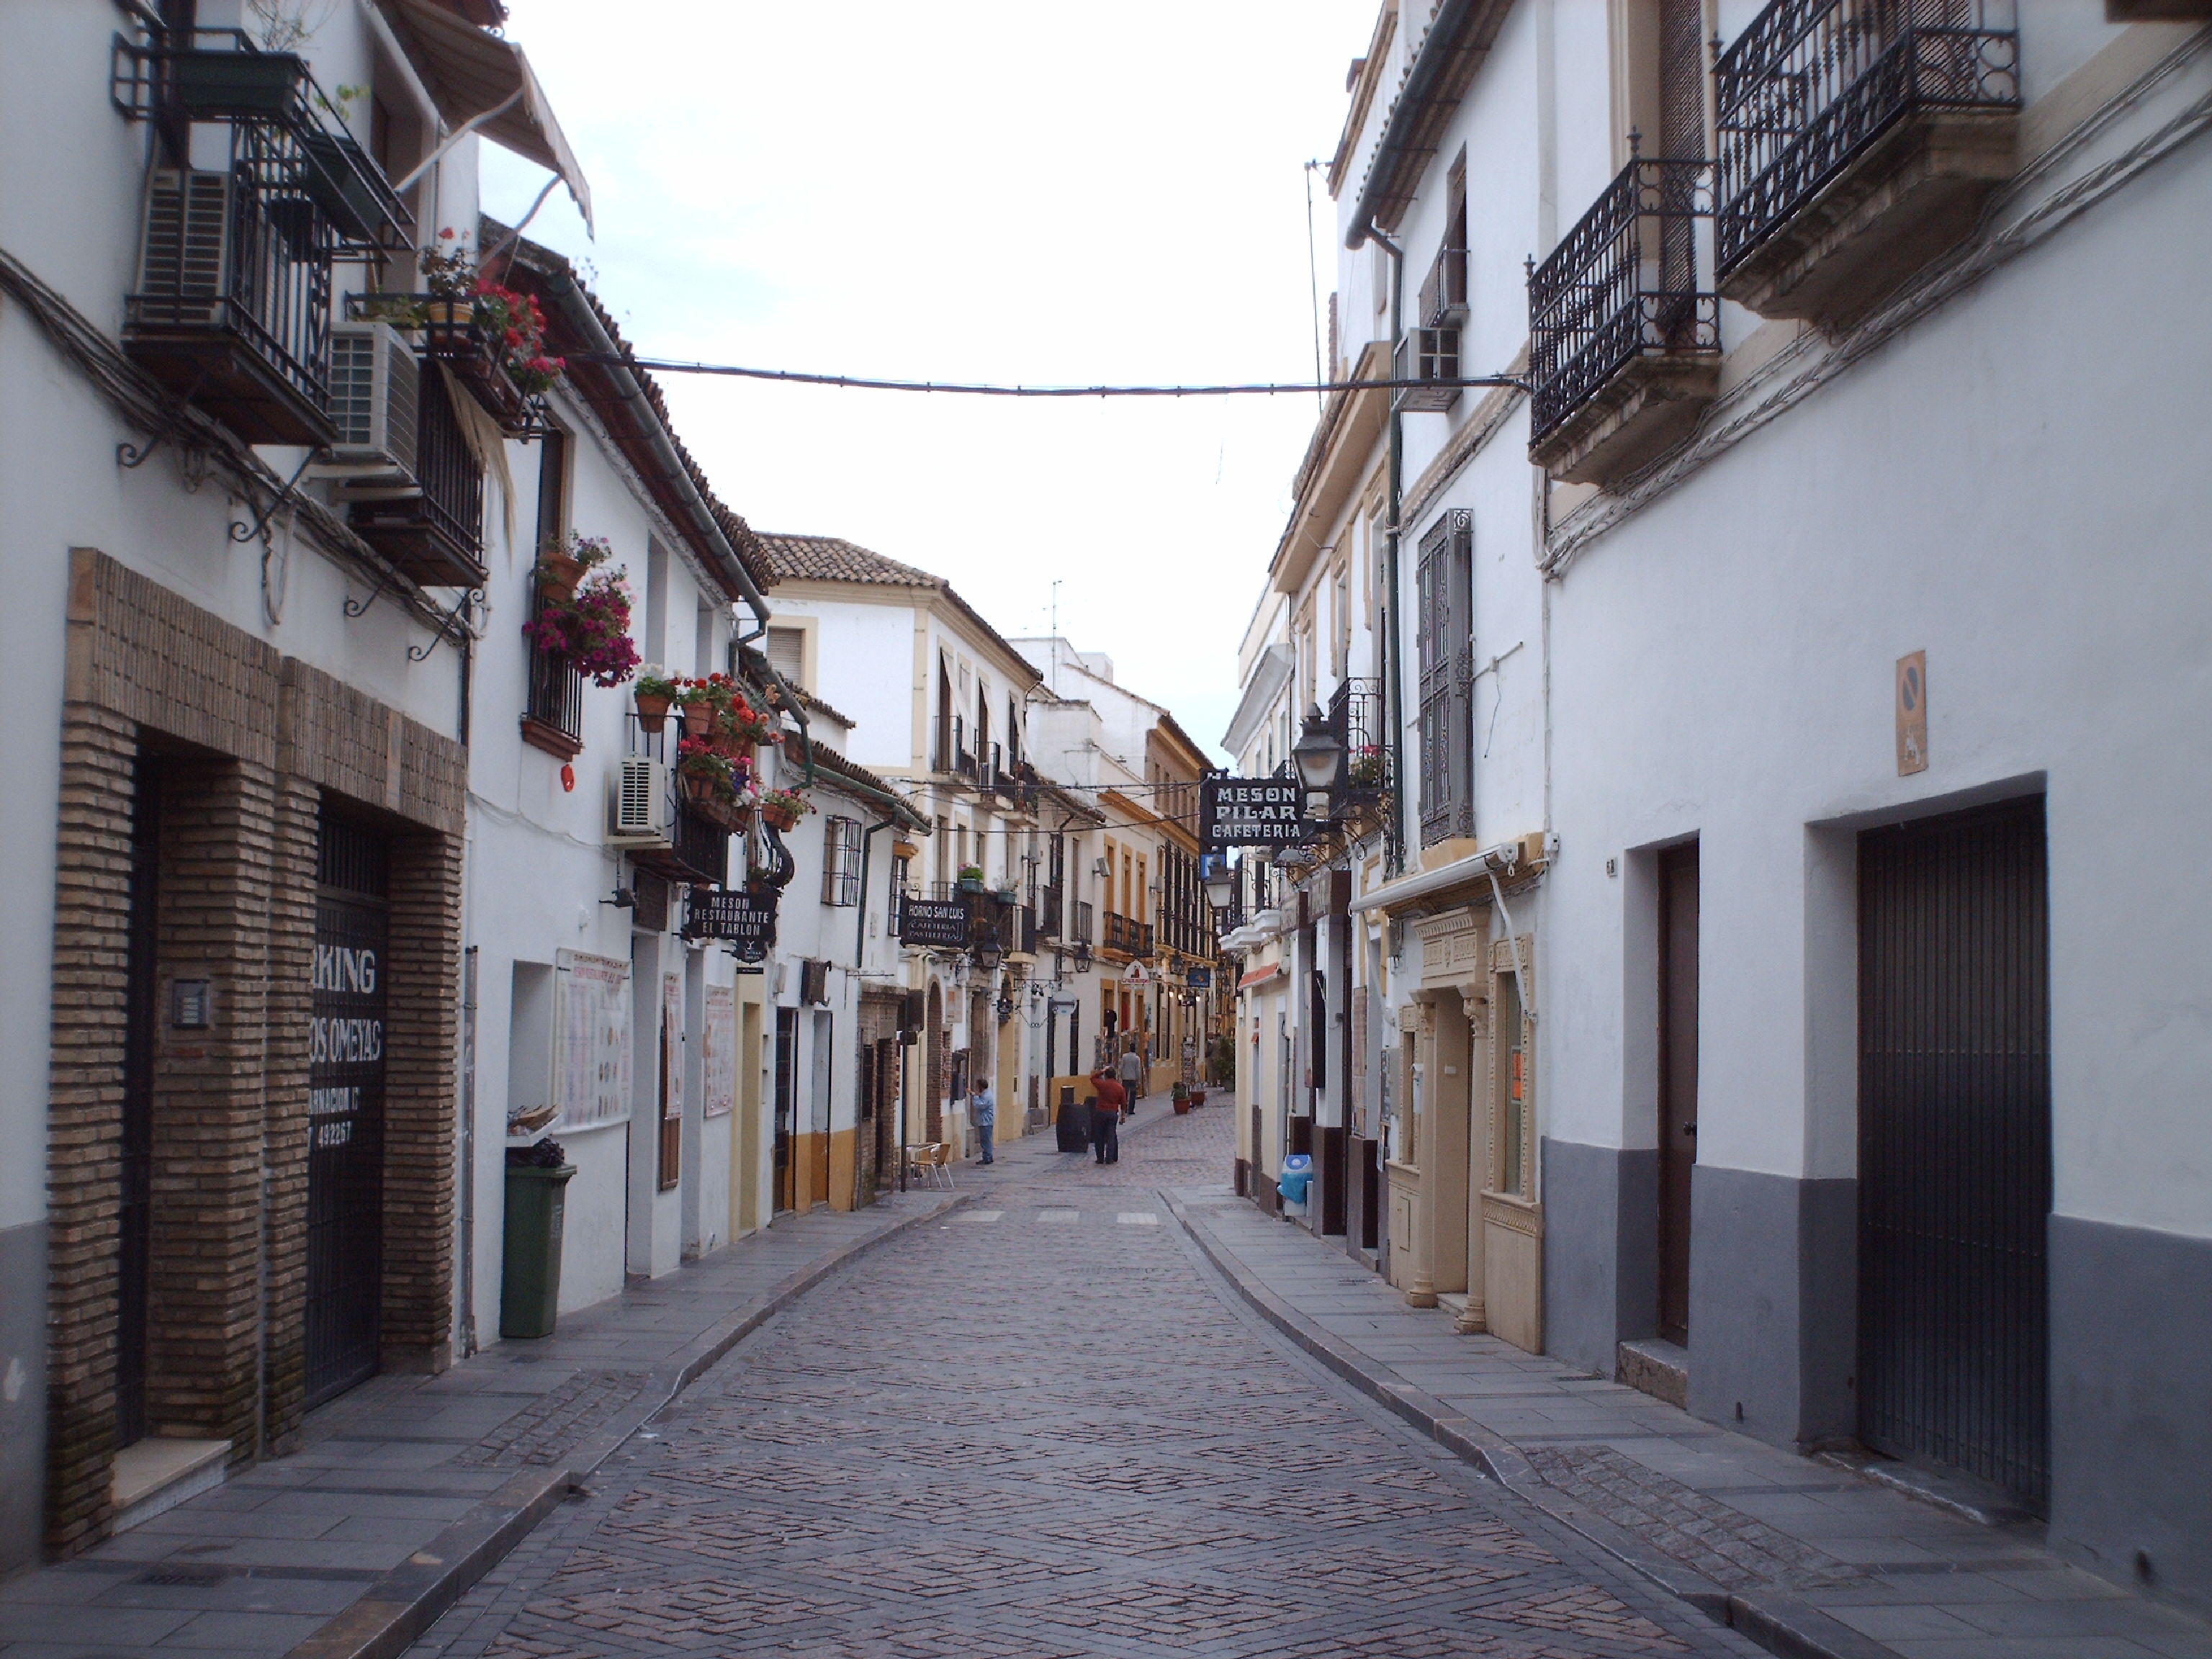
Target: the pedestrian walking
(1106, 1117)
(983, 1116)
(1132, 1077)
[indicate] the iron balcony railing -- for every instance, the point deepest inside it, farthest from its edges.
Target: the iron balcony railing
(1129, 936)
(447, 469)
(1355, 718)
(1812, 83)
(699, 845)
(953, 754)
(1623, 283)
(557, 694)
(243, 256)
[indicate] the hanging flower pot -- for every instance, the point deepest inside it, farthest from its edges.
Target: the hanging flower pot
(781, 809)
(558, 573)
(655, 694)
(701, 786)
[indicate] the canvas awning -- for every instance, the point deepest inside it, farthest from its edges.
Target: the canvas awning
(1258, 976)
(484, 84)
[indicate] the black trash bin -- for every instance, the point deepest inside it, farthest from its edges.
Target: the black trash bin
(1072, 1123)
(530, 1279)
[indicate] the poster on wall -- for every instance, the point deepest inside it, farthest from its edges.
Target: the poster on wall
(590, 1040)
(721, 1056)
(671, 1041)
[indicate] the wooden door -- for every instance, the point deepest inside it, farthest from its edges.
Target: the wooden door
(1678, 1082)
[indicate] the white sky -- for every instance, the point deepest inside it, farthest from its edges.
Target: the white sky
(985, 190)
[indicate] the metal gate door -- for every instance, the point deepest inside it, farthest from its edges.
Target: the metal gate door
(1954, 1145)
(345, 1080)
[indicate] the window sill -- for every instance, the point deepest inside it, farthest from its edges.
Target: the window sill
(540, 734)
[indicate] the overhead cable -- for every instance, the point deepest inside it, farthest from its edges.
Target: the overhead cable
(867, 383)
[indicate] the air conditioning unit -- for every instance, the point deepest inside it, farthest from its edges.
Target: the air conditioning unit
(639, 811)
(375, 399)
(1428, 354)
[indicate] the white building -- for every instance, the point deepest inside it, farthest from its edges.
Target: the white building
(1824, 430)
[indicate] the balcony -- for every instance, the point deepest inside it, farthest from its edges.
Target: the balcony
(1362, 767)
(430, 529)
(231, 308)
(1050, 910)
(1132, 939)
(953, 754)
(553, 718)
(462, 345)
(1624, 348)
(1858, 140)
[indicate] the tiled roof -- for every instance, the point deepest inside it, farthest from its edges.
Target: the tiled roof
(832, 559)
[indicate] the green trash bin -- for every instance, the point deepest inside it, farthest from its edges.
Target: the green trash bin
(530, 1280)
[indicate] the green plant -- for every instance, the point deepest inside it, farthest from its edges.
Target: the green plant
(972, 873)
(786, 801)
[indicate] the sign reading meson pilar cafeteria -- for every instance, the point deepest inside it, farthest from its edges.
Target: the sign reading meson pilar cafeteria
(1250, 812)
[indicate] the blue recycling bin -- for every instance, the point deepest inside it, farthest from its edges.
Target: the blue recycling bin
(1297, 1171)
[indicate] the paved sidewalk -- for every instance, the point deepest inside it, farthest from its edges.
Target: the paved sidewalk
(407, 1489)
(1805, 1557)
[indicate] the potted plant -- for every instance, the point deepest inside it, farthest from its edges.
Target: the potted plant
(707, 776)
(224, 86)
(562, 565)
(781, 809)
(655, 691)
(1365, 771)
(971, 877)
(588, 627)
(1179, 1094)
(905, 849)
(448, 274)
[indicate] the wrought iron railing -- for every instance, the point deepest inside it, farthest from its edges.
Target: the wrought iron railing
(447, 469)
(1811, 83)
(1131, 937)
(953, 754)
(251, 259)
(1623, 283)
(557, 694)
(700, 845)
(1355, 718)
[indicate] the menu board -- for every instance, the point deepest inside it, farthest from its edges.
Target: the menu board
(590, 1040)
(721, 1053)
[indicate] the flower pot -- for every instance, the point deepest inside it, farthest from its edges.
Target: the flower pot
(699, 789)
(779, 818)
(558, 572)
(1181, 1107)
(449, 312)
(1198, 1097)
(905, 849)
(652, 711)
(221, 86)
(339, 180)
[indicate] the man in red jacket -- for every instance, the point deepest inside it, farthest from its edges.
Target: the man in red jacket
(1106, 1117)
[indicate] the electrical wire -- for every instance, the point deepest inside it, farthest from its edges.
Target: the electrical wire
(976, 389)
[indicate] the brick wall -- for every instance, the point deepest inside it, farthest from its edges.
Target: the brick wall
(269, 736)
(84, 1116)
(422, 1027)
(216, 867)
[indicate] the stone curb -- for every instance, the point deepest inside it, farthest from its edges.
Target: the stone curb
(1778, 1621)
(403, 1604)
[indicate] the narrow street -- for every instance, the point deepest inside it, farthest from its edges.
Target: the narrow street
(1040, 1427)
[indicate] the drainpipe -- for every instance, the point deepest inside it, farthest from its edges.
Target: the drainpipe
(1394, 696)
(861, 924)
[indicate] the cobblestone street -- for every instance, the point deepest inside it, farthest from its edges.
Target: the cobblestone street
(1038, 1428)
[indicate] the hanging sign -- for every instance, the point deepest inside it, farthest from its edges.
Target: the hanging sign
(1136, 976)
(933, 924)
(745, 918)
(1199, 978)
(1251, 812)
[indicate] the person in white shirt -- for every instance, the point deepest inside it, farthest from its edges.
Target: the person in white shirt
(1133, 1076)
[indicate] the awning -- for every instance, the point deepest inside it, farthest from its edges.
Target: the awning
(472, 74)
(1259, 976)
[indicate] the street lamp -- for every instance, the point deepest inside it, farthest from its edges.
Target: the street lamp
(1220, 882)
(1317, 752)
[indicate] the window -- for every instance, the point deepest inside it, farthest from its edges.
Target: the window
(553, 712)
(786, 649)
(1513, 1094)
(1443, 581)
(840, 861)
(1341, 620)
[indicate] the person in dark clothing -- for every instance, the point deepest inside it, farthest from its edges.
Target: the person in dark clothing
(1106, 1117)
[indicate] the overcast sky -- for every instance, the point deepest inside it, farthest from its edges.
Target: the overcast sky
(981, 190)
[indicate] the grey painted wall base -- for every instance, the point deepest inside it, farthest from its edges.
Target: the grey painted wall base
(22, 1395)
(1774, 1304)
(2131, 1404)
(1600, 1250)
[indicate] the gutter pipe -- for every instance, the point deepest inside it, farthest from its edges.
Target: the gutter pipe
(1421, 78)
(1393, 690)
(616, 363)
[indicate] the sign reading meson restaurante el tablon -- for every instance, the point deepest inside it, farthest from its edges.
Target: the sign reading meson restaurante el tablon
(1250, 812)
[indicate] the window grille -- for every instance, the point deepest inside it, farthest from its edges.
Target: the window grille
(840, 861)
